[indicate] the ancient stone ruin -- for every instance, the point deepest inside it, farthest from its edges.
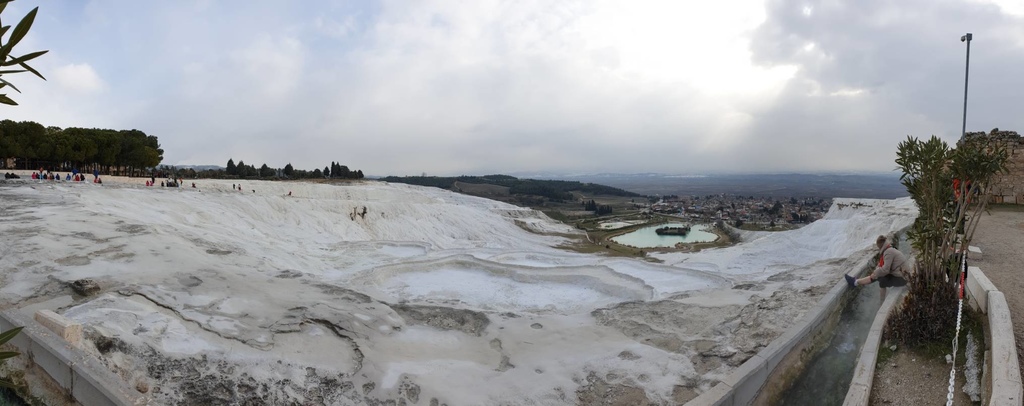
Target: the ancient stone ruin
(1007, 187)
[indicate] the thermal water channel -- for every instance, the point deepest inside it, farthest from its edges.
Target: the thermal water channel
(647, 238)
(826, 380)
(827, 377)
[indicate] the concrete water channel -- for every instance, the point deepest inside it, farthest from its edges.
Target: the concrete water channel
(814, 362)
(826, 379)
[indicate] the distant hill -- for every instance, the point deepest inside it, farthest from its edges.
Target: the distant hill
(496, 186)
(875, 186)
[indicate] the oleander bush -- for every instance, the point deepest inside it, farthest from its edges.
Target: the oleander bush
(4, 355)
(951, 187)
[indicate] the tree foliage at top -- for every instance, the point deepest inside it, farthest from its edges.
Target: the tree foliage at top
(952, 188)
(552, 189)
(10, 64)
(58, 148)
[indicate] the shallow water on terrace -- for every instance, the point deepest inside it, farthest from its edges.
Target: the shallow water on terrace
(482, 289)
(647, 238)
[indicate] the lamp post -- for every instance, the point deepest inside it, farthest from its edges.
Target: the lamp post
(967, 71)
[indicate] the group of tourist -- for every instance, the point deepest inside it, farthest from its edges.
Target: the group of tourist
(175, 182)
(239, 187)
(46, 175)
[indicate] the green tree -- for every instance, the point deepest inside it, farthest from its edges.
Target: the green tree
(951, 188)
(288, 170)
(231, 169)
(327, 172)
(931, 170)
(266, 171)
(107, 147)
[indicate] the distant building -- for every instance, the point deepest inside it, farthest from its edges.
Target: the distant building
(1008, 187)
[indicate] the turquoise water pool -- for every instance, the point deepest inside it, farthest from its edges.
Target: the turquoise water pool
(647, 238)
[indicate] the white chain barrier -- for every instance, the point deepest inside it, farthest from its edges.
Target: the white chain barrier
(959, 315)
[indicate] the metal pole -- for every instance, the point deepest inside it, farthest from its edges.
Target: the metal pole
(967, 74)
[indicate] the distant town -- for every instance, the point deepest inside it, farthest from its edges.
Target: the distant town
(739, 210)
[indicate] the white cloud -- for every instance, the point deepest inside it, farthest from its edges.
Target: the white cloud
(1014, 7)
(271, 65)
(847, 92)
(81, 78)
(335, 29)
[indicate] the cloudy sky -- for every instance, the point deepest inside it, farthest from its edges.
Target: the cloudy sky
(479, 87)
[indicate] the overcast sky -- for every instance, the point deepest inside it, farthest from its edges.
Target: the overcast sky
(480, 87)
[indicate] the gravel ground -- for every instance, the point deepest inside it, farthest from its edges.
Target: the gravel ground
(908, 378)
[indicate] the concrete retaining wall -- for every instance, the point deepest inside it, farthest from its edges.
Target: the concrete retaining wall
(60, 374)
(978, 286)
(1002, 370)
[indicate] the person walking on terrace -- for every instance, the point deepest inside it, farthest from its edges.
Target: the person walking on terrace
(891, 269)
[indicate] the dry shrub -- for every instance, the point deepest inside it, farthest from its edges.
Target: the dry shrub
(927, 314)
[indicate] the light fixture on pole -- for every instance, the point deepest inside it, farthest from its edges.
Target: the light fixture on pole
(966, 38)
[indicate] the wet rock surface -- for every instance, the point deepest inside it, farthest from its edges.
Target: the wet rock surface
(714, 344)
(211, 380)
(597, 391)
(445, 318)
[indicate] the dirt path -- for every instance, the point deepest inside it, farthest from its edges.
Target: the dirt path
(999, 237)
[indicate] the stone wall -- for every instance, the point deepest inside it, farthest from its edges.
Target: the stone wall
(1008, 187)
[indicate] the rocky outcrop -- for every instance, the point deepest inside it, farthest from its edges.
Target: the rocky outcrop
(85, 287)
